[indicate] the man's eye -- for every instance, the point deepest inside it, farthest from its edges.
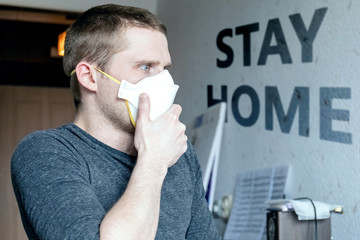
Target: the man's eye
(145, 67)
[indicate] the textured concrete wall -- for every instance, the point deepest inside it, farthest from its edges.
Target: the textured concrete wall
(289, 73)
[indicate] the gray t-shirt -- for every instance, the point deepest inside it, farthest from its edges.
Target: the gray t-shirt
(65, 181)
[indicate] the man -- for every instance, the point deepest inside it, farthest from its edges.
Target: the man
(101, 177)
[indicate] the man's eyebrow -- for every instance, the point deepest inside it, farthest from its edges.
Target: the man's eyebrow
(142, 61)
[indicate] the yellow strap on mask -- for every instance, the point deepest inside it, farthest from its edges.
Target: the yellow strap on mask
(130, 114)
(109, 76)
(119, 82)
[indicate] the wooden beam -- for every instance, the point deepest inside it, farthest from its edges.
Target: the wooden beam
(33, 16)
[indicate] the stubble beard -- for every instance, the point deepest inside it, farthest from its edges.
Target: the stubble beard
(118, 115)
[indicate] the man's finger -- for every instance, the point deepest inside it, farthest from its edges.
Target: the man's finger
(175, 109)
(144, 107)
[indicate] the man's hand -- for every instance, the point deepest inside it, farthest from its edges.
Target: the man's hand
(160, 142)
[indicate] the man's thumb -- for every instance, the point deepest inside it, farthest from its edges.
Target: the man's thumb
(144, 107)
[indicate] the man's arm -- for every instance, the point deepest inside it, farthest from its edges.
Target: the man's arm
(202, 225)
(160, 144)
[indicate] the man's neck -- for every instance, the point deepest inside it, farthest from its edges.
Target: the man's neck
(106, 132)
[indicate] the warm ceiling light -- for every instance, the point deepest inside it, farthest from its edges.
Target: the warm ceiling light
(61, 41)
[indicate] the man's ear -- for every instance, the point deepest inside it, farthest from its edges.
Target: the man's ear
(86, 76)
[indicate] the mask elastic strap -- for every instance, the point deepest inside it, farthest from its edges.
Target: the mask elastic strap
(126, 101)
(130, 114)
(107, 75)
(119, 82)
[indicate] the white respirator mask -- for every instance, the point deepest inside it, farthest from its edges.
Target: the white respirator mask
(160, 88)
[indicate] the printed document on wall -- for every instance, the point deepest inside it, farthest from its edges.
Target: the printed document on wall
(248, 216)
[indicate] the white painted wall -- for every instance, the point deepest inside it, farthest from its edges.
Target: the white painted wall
(323, 170)
(77, 5)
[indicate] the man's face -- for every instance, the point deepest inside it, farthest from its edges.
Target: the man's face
(146, 55)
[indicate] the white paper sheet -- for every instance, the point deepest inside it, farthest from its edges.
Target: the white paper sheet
(248, 216)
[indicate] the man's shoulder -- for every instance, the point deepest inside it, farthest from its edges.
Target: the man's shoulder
(40, 142)
(42, 137)
(189, 160)
(190, 154)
